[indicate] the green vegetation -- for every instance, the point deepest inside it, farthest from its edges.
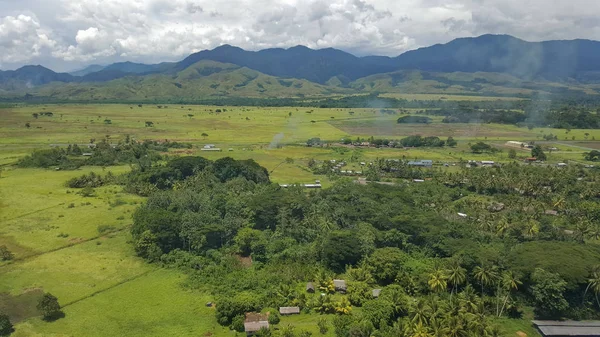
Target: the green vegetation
(214, 227)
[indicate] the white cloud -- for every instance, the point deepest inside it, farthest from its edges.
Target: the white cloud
(64, 32)
(22, 38)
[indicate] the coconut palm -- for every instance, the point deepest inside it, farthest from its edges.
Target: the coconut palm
(594, 285)
(485, 275)
(509, 283)
(438, 280)
(421, 313)
(456, 275)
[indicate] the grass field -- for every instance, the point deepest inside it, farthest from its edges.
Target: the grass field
(104, 288)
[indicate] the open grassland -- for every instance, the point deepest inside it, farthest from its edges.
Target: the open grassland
(40, 214)
(154, 304)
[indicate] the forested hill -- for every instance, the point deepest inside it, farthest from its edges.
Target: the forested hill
(550, 60)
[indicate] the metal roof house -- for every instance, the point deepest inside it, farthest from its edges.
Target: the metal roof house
(568, 328)
(252, 328)
(420, 163)
(340, 285)
(254, 322)
(376, 293)
(289, 310)
(310, 287)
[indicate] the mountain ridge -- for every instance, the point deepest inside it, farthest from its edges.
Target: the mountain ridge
(556, 60)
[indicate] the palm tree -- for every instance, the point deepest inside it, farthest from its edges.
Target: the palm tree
(510, 282)
(593, 231)
(421, 313)
(456, 275)
(502, 226)
(485, 276)
(438, 280)
(594, 284)
(419, 330)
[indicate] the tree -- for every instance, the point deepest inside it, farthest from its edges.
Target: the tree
(385, 263)
(438, 280)
(548, 294)
(480, 147)
(323, 325)
(340, 249)
(204, 135)
(510, 282)
(6, 327)
(5, 254)
(593, 155)
(457, 275)
(247, 239)
(538, 153)
(594, 285)
(451, 142)
(27, 125)
(485, 275)
(107, 121)
(149, 124)
(512, 153)
(49, 307)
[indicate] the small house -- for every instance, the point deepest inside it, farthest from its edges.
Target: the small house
(254, 322)
(487, 163)
(568, 328)
(252, 328)
(289, 310)
(551, 212)
(561, 164)
(310, 287)
(340, 285)
(420, 163)
(376, 293)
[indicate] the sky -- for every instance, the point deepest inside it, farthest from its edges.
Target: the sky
(66, 35)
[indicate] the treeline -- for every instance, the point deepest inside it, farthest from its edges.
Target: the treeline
(143, 154)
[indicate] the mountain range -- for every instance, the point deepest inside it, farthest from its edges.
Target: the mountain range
(459, 65)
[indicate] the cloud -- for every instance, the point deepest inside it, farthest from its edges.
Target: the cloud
(66, 33)
(22, 38)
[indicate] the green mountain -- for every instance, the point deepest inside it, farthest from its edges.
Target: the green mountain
(204, 79)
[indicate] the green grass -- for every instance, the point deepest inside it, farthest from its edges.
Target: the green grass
(152, 305)
(37, 215)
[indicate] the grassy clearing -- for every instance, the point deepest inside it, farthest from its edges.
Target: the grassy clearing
(75, 272)
(40, 214)
(152, 305)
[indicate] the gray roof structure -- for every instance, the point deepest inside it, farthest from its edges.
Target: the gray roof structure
(310, 287)
(568, 328)
(289, 310)
(376, 292)
(339, 285)
(255, 326)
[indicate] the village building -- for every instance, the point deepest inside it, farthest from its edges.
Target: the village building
(254, 322)
(310, 287)
(420, 163)
(340, 285)
(289, 310)
(568, 328)
(376, 293)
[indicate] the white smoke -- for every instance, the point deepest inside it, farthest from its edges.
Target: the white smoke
(276, 140)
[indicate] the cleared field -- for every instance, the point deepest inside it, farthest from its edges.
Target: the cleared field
(40, 214)
(152, 305)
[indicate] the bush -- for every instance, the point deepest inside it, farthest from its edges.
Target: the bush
(6, 327)
(102, 229)
(5, 254)
(274, 317)
(87, 192)
(49, 307)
